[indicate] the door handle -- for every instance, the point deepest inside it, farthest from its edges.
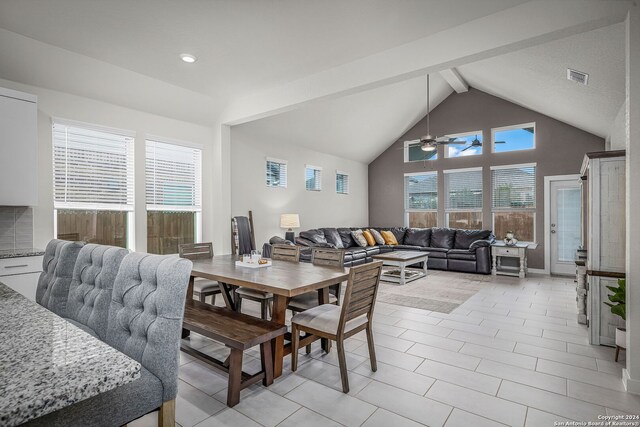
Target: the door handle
(553, 231)
(553, 225)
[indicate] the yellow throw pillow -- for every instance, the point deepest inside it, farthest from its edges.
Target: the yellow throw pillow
(389, 238)
(369, 237)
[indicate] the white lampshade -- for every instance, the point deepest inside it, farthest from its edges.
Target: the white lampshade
(289, 221)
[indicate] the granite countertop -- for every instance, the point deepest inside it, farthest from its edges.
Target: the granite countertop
(48, 363)
(17, 253)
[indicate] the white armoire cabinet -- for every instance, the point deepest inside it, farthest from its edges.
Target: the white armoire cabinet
(18, 148)
(603, 180)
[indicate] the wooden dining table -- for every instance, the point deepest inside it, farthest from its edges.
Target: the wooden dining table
(283, 279)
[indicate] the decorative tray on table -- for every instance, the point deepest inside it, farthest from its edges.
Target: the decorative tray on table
(254, 264)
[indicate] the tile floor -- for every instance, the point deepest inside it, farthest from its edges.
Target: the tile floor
(512, 354)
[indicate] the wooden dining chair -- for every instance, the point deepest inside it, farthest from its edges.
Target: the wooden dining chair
(278, 253)
(202, 287)
(326, 257)
(338, 323)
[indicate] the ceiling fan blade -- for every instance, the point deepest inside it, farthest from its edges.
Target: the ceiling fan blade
(499, 142)
(454, 142)
(413, 141)
(465, 149)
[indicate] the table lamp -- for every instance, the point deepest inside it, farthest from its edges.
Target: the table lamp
(289, 221)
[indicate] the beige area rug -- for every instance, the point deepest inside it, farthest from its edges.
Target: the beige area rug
(440, 291)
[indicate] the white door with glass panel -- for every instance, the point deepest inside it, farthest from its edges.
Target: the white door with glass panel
(564, 225)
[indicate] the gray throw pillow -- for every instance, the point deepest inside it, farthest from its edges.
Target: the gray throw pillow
(377, 236)
(359, 238)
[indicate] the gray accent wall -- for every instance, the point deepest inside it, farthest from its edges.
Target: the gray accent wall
(559, 150)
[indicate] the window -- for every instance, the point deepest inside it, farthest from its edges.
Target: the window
(276, 173)
(93, 183)
(173, 194)
(313, 178)
(472, 145)
(514, 201)
(413, 153)
(514, 138)
(342, 182)
(421, 199)
(463, 198)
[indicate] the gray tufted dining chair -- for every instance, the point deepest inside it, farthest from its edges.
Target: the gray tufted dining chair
(57, 271)
(145, 321)
(91, 287)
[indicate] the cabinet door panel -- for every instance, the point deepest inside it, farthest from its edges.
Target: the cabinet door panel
(18, 155)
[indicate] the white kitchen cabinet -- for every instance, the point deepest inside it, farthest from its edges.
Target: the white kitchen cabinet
(21, 274)
(18, 148)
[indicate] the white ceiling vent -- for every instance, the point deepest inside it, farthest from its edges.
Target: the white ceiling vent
(577, 76)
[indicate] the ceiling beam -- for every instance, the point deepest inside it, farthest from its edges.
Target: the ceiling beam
(455, 80)
(493, 35)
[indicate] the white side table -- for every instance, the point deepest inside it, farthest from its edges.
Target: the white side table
(500, 250)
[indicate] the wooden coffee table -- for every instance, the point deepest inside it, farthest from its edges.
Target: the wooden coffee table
(403, 259)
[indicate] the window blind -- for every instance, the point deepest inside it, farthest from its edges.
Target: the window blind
(421, 191)
(463, 189)
(173, 177)
(514, 187)
(313, 178)
(276, 173)
(342, 183)
(92, 169)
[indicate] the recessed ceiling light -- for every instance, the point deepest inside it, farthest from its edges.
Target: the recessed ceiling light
(190, 59)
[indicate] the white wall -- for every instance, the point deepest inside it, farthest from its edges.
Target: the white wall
(57, 104)
(617, 139)
(325, 208)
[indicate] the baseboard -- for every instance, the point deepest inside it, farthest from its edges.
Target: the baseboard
(630, 384)
(537, 271)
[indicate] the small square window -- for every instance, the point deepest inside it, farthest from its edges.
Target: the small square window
(514, 138)
(413, 153)
(342, 183)
(313, 178)
(471, 145)
(276, 173)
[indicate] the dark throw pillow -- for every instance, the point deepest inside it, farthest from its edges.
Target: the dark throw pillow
(347, 239)
(333, 237)
(316, 236)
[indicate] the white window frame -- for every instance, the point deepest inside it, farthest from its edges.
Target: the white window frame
(130, 212)
(446, 192)
(406, 153)
(282, 162)
(513, 127)
(339, 172)
(463, 135)
(514, 210)
(404, 194)
(197, 211)
(318, 181)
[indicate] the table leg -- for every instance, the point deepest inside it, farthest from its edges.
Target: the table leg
(323, 298)
(424, 266)
(494, 269)
(522, 267)
(402, 278)
(186, 332)
(278, 314)
(227, 295)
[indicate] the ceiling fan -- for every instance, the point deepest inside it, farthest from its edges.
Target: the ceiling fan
(477, 143)
(429, 142)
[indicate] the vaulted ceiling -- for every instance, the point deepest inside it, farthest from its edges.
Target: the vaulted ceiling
(126, 53)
